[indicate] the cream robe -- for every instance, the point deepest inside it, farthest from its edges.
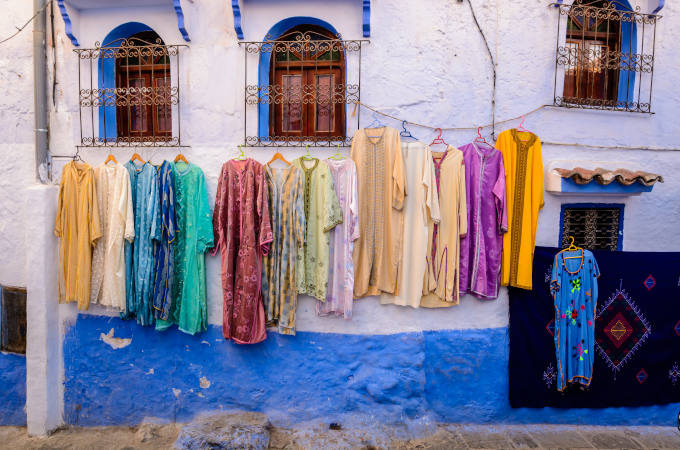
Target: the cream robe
(382, 190)
(108, 259)
(441, 282)
(421, 209)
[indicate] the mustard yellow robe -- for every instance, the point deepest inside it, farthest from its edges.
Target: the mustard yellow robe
(381, 182)
(78, 227)
(524, 195)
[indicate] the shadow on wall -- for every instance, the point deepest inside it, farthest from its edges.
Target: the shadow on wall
(120, 377)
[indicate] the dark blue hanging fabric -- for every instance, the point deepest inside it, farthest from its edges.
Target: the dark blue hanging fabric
(637, 334)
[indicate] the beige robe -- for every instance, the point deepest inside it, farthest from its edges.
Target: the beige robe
(440, 284)
(114, 198)
(382, 190)
(421, 208)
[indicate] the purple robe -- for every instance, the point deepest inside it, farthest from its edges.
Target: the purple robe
(481, 249)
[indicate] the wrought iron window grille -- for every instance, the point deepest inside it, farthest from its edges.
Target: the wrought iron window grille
(605, 56)
(287, 106)
(594, 228)
(129, 94)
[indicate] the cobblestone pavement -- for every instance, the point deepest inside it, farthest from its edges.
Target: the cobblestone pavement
(151, 436)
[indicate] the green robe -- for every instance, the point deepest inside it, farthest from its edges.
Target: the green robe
(194, 237)
(322, 214)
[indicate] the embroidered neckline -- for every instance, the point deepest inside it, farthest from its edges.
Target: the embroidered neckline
(484, 154)
(309, 169)
(523, 144)
(181, 172)
(564, 263)
(441, 158)
(371, 139)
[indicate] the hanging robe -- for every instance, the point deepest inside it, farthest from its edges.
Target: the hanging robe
(193, 237)
(322, 214)
(78, 227)
(243, 235)
(441, 281)
(482, 247)
(163, 255)
(339, 296)
(524, 195)
(382, 190)
(420, 210)
(139, 255)
(118, 225)
(287, 218)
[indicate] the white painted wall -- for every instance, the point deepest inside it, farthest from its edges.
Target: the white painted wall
(426, 63)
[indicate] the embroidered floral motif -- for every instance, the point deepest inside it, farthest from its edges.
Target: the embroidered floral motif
(549, 376)
(674, 373)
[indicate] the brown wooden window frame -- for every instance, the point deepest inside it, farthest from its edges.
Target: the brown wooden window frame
(13, 319)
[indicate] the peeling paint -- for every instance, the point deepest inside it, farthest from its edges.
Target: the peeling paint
(114, 342)
(176, 392)
(205, 383)
(150, 372)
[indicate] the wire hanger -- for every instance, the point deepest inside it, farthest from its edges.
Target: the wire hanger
(376, 122)
(438, 139)
(77, 157)
(406, 133)
(308, 156)
(110, 158)
(278, 156)
(241, 156)
(337, 156)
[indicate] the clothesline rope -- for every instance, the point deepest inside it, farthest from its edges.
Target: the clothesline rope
(376, 111)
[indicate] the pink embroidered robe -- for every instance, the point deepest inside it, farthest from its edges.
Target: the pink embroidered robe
(242, 236)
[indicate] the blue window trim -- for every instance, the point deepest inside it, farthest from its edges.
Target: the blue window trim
(619, 206)
(265, 62)
(107, 75)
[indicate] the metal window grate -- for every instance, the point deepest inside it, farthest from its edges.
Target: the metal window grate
(604, 57)
(298, 62)
(129, 94)
(594, 228)
(13, 320)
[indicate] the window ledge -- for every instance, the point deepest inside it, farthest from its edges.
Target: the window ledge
(625, 180)
(600, 111)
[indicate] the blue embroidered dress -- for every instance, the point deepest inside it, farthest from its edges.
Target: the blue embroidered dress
(139, 259)
(164, 261)
(574, 289)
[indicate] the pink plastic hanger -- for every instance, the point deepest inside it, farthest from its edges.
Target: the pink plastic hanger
(480, 138)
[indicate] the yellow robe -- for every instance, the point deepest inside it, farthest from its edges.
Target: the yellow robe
(524, 195)
(381, 184)
(78, 227)
(441, 283)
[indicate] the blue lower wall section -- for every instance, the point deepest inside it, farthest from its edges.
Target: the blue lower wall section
(12, 389)
(447, 376)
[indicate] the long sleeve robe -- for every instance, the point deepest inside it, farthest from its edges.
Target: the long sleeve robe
(164, 258)
(420, 211)
(441, 283)
(118, 225)
(382, 192)
(242, 236)
(322, 214)
(482, 247)
(339, 298)
(524, 194)
(287, 218)
(78, 227)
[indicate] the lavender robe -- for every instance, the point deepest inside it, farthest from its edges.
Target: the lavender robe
(482, 247)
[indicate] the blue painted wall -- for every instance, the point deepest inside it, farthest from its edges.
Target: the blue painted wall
(13, 390)
(448, 376)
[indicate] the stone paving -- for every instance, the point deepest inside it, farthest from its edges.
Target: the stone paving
(319, 436)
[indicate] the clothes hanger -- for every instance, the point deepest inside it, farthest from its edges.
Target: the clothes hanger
(77, 157)
(480, 138)
(438, 139)
(376, 122)
(337, 156)
(138, 158)
(406, 133)
(241, 156)
(572, 248)
(278, 156)
(521, 129)
(307, 156)
(110, 158)
(180, 157)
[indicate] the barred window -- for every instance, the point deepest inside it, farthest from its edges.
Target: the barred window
(595, 227)
(13, 320)
(129, 90)
(605, 56)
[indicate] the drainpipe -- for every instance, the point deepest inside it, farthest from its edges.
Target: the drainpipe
(40, 91)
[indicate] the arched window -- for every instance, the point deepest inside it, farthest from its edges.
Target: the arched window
(143, 88)
(308, 84)
(594, 38)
